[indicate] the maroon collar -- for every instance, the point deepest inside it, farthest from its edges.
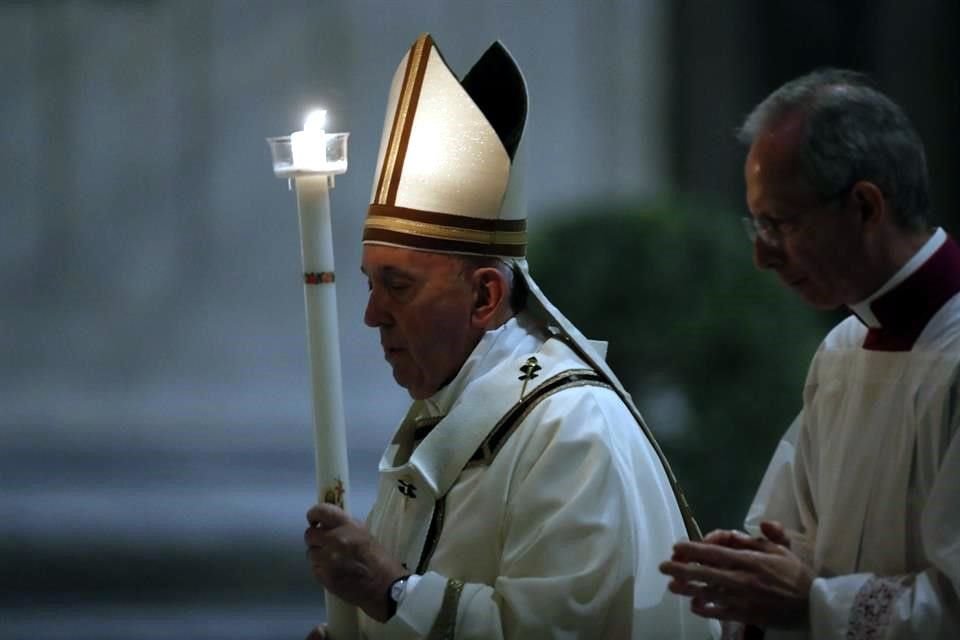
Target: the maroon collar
(906, 309)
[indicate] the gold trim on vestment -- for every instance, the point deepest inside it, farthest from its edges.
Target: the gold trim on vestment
(433, 534)
(445, 625)
(508, 423)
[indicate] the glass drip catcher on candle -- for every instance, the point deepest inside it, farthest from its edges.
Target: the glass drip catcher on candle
(311, 151)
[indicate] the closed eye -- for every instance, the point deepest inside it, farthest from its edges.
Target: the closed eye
(396, 286)
(789, 224)
(783, 223)
(395, 283)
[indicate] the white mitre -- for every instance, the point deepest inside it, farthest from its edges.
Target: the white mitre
(446, 181)
(443, 170)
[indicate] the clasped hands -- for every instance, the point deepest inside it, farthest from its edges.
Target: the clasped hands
(732, 576)
(348, 562)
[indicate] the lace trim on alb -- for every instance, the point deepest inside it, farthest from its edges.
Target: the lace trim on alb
(873, 607)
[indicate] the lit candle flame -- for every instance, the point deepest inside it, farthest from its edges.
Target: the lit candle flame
(309, 147)
(316, 121)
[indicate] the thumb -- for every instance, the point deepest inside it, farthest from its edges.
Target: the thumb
(775, 532)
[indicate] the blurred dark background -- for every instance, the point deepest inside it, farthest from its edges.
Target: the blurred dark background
(155, 438)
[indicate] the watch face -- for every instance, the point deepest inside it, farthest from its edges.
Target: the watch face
(397, 589)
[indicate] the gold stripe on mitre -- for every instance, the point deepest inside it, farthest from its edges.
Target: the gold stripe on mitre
(443, 232)
(392, 167)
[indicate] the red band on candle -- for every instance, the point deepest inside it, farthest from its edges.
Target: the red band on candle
(324, 277)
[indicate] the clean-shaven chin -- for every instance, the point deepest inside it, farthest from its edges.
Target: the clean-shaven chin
(801, 286)
(813, 296)
(392, 354)
(797, 283)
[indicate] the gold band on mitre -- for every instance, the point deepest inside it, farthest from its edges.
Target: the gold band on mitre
(445, 233)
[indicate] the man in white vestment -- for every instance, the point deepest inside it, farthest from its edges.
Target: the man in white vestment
(522, 496)
(856, 523)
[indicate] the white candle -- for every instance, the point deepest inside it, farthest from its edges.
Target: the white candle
(303, 157)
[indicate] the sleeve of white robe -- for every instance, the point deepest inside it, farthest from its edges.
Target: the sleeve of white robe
(921, 605)
(777, 496)
(864, 605)
(588, 519)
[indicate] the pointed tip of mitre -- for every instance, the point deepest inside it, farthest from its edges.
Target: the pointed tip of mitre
(496, 84)
(423, 39)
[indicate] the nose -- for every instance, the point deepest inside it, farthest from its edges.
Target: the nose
(375, 315)
(766, 256)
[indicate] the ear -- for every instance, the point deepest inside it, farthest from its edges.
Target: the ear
(490, 294)
(870, 203)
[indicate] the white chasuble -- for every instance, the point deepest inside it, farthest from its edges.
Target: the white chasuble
(528, 518)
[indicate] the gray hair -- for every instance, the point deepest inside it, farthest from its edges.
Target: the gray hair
(852, 132)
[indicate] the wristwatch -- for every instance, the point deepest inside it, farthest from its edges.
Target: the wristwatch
(398, 588)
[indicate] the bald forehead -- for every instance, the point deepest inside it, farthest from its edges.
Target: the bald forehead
(775, 148)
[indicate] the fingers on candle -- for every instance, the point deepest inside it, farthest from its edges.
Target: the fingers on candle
(315, 516)
(326, 516)
(314, 538)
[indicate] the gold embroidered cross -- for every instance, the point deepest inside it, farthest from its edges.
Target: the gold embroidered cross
(334, 494)
(528, 372)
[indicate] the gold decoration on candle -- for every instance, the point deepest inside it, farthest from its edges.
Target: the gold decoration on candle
(334, 495)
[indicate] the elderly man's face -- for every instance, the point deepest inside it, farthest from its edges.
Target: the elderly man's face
(818, 244)
(422, 304)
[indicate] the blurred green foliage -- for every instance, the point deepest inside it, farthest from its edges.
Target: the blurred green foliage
(713, 351)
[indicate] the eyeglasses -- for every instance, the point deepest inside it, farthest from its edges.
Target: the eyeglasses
(771, 230)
